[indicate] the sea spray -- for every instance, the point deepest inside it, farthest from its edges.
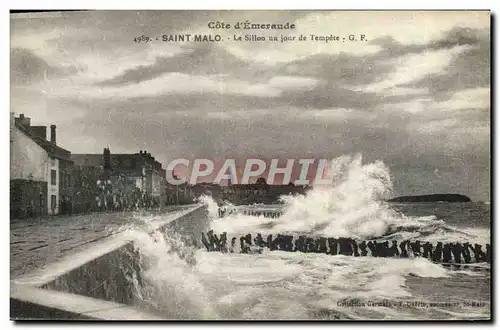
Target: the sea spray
(352, 206)
(167, 284)
(211, 205)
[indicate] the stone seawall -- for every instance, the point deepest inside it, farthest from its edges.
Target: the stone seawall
(104, 270)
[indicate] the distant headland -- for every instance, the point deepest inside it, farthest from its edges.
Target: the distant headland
(449, 198)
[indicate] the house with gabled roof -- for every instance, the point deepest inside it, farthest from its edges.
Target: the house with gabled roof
(40, 171)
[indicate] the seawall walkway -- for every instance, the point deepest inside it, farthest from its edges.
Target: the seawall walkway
(38, 242)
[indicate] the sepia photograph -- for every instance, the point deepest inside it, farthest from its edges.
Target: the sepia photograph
(250, 165)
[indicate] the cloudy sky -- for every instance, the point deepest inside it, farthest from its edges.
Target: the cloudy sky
(415, 94)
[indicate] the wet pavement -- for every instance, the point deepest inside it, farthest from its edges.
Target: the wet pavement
(37, 242)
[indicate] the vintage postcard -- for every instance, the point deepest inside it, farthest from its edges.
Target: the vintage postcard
(250, 165)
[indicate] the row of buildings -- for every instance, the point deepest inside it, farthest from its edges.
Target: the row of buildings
(46, 179)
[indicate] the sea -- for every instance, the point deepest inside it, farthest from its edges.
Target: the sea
(182, 281)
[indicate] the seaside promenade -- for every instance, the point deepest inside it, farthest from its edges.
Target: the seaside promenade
(38, 242)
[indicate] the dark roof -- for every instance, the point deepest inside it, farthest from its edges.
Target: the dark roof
(128, 164)
(95, 160)
(52, 149)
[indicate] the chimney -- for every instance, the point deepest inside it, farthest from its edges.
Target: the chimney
(107, 158)
(53, 134)
(24, 121)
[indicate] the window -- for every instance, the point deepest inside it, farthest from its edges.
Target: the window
(53, 202)
(53, 177)
(42, 203)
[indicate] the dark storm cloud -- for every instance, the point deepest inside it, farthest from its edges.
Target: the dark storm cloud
(470, 69)
(261, 135)
(211, 60)
(26, 67)
(206, 60)
(352, 70)
(328, 96)
(340, 68)
(323, 96)
(164, 104)
(276, 132)
(457, 36)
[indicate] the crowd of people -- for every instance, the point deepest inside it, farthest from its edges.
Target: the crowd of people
(440, 252)
(222, 212)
